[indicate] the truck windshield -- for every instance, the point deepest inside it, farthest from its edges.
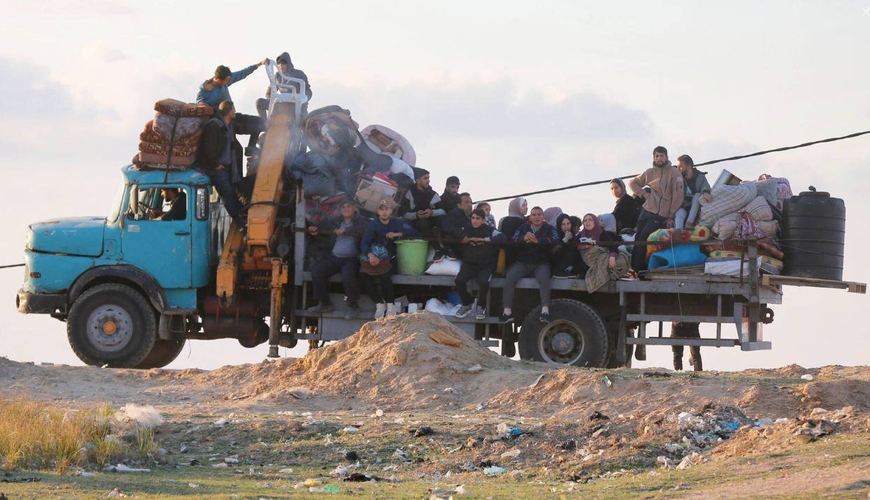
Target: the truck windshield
(115, 208)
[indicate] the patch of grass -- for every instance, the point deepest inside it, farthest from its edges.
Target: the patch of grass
(36, 435)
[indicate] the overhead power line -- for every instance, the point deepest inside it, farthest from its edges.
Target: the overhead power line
(711, 162)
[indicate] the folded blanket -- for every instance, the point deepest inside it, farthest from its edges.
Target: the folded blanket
(758, 209)
(171, 128)
(174, 107)
(162, 162)
(726, 200)
(697, 233)
(599, 273)
(167, 149)
(150, 135)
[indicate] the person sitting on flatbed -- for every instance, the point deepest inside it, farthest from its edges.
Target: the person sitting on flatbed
(479, 257)
(534, 240)
(347, 229)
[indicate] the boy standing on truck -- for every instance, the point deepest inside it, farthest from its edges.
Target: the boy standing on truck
(662, 188)
(216, 90)
(347, 230)
(479, 257)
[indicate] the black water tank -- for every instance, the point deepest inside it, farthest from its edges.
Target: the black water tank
(814, 233)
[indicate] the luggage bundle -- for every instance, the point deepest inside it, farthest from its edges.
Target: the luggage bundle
(170, 141)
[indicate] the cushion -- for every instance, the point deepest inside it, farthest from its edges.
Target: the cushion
(446, 267)
(726, 200)
(758, 209)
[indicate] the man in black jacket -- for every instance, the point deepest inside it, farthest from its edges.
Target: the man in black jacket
(347, 230)
(453, 228)
(421, 207)
(479, 257)
(220, 157)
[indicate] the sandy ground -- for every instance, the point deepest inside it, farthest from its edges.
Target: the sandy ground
(752, 420)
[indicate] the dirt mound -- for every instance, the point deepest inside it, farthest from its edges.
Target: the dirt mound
(397, 362)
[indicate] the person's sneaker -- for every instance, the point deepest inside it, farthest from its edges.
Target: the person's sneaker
(351, 313)
(630, 275)
(544, 317)
(321, 308)
(391, 310)
(380, 310)
(439, 255)
(480, 313)
(451, 254)
(506, 318)
(463, 311)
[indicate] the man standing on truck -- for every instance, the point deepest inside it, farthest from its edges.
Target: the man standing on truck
(347, 230)
(218, 157)
(661, 187)
(454, 225)
(216, 90)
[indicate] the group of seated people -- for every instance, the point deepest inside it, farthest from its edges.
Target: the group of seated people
(537, 243)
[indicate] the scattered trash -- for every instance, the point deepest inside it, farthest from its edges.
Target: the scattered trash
(537, 380)
(358, 477)
(445, 339)
(193, 485)
(494, 470)
(481, 406)
(379, 413)
(183, 449)
(806, 376)
(146, 415)
(220, 465)
(690, 460)
(422, 431)
(350, 429)
(568, 445)
(300, 392)
(326, 489)
(118, 493)
(123, 468)
(474, 368)
(763, 421)
(597, 415)
(514, 453)
(607, 381)
(232, 460)
(450, 390)
(350, 456)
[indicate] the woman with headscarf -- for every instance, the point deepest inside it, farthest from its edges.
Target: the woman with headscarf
(517, 210)
(551, 214)
(565, 254)
(593, 232)
(627, 208)
(508, 225)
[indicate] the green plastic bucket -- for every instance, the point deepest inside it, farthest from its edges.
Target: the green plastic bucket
(412, 256)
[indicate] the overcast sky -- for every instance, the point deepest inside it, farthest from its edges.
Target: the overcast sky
(510, 96)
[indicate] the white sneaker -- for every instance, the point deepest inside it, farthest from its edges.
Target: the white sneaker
(380, 310)
(391, 310)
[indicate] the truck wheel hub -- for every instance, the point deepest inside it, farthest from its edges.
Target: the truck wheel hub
(561, 342)
(110, 327)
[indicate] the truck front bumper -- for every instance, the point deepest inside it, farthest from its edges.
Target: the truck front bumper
(40, 303)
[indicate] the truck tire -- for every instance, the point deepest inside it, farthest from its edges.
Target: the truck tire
(112, 325)
(575, 335)
(163, 353)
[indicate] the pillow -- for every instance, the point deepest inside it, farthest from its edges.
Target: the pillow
(726, 200)
(758, 209)
(768, 189)
(446, 267)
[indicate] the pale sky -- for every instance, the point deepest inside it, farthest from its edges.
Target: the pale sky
(510, 96)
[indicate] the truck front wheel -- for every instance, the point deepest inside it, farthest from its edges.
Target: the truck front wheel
(575, 335)
(112, 325)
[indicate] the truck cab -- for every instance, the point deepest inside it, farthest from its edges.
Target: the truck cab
(118, 280)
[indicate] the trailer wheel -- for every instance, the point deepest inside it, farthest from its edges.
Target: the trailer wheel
(163, 353)
(113, 325)
(575, 335)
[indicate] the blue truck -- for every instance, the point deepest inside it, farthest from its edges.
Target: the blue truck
(133, 289)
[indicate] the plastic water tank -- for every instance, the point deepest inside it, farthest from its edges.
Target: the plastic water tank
(814, 232)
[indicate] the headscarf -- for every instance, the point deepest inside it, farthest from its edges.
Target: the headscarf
(559, 220)
(609, 222)
(596, 231)
(515, 208)
(622, 185)
(551, 214)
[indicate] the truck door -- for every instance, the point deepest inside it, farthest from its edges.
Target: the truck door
(159, 244)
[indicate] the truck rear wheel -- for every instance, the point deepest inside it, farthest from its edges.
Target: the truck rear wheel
(112, 325)
(575, 335)
(163, 353)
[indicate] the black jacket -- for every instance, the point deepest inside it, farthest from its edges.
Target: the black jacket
(212, 144)
(327, 225)
(455, 223)
(626, 212)
(485, 253)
